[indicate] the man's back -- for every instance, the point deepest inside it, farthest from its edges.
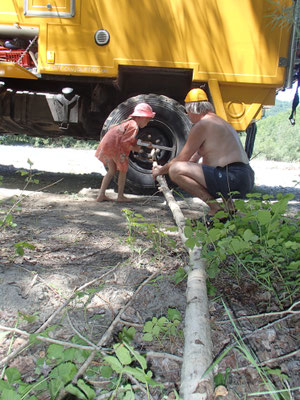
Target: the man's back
(219, 143)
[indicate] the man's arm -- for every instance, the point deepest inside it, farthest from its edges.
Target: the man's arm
(192, 145)
(196, 157)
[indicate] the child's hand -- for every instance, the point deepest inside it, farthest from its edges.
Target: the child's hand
(149, 145)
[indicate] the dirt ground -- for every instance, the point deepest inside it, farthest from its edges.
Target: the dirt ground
(78, 241)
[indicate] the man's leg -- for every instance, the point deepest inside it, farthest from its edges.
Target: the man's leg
(190, 177)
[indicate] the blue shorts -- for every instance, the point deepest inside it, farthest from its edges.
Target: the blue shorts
(235, 177)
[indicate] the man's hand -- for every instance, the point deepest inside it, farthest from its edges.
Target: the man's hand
(156, 171)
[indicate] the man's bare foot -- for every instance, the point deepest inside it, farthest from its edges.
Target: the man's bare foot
(103, 198)
(123, 199)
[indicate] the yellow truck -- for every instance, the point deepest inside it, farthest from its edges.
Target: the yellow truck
(74, 67)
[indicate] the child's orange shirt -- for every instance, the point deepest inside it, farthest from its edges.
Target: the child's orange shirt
(117, 143)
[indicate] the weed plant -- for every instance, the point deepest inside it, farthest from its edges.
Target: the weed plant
(113, 370)
(259, 240)
(157, 236)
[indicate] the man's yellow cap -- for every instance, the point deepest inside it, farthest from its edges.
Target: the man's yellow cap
(196, 95)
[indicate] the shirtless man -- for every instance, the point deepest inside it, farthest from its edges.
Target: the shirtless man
(225, 166)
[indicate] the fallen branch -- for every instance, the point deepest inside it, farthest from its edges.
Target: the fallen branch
(198, 345)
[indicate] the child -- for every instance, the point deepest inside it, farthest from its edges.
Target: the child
(115, 146)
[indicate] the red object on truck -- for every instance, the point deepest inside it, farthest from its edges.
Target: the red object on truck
(7, 55)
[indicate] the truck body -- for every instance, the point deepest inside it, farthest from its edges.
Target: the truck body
(74, 67)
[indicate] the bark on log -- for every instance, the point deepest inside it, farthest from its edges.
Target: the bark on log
(197, 355)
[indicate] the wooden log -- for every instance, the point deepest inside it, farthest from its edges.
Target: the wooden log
(197, 355)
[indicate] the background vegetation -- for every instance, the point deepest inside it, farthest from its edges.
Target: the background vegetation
(276, 138)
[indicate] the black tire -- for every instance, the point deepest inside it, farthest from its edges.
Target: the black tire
(170, 127)
(250, 139)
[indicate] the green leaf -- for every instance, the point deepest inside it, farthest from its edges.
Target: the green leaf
(249, 236)
(12, 374)
(54, 386)
(106, 371)
(65, 372)
(69, 354)
(55, 351)
(180, 275)
(123, 354)
(156, 330)
(114, 363)
(190, 243)
(292, 245)
(214, 234)
(264, 217)
(90, 393)
(136, 373)
(148, 337)
(148, 327)
(75, 391)
(9, 394)
(162, 321)
(174, 314)
(188, 232)
(4, 385)
(213, 270)
(141, 359)
(129, 395)
(238, 245)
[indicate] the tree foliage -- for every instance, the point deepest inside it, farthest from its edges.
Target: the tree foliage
(276, 138)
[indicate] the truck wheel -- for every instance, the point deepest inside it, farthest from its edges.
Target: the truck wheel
(250, 139)
(170, 128)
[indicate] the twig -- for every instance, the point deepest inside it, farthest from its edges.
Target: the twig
(128, 323)
(108, 395)
(49, 340)
(290, 310)
(93, 345)
(269, 361)
(42, 280)
(22, 195)
(154, 354)
(108, 303)
(47, 186)
(51, 318)
(139, 386)
(268, 325)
